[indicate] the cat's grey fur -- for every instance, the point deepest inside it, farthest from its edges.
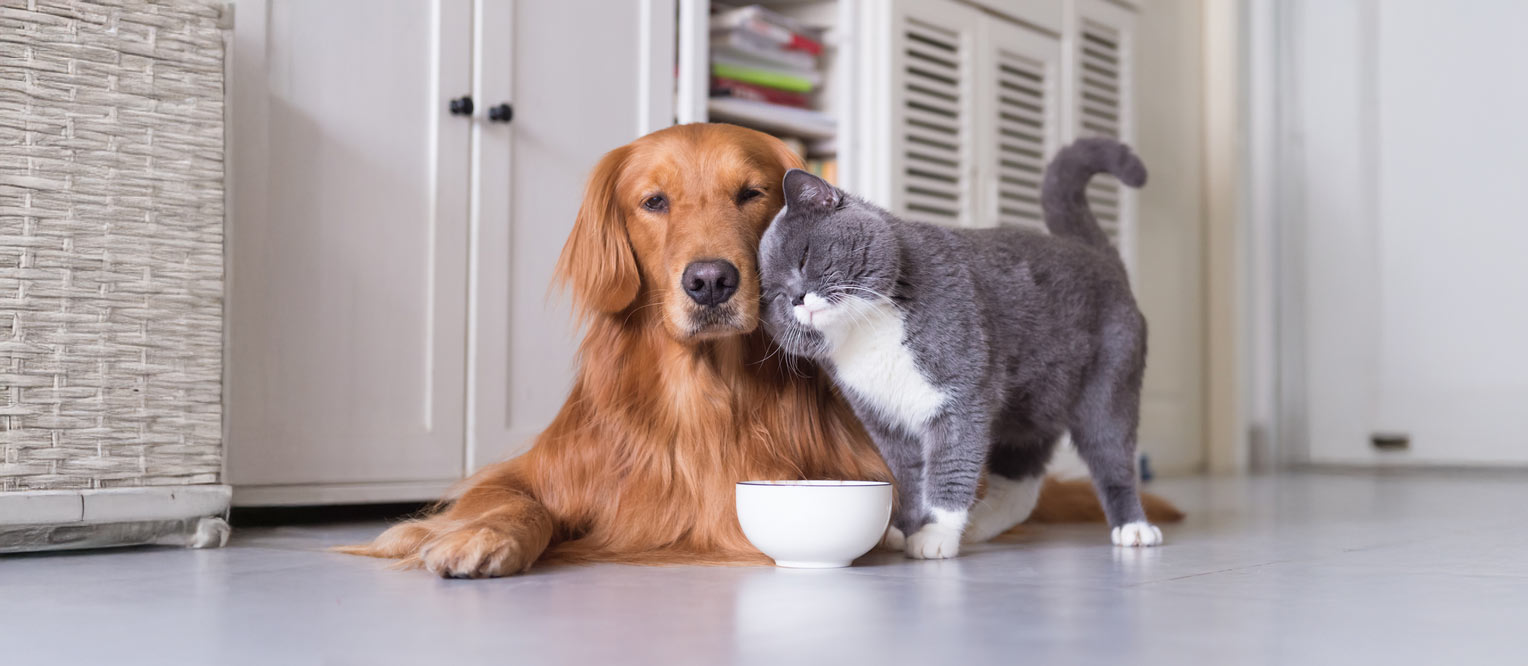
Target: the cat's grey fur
(1028, 335)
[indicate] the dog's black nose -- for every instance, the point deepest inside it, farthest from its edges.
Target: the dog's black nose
(710, 282)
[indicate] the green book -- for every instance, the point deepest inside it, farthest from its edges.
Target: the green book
(763, 77)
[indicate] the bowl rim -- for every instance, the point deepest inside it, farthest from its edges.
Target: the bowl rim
(815, 483)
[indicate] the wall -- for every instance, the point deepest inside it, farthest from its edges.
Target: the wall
(1412, 148)
(1170, 278)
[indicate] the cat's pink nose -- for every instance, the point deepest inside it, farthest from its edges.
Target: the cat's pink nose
(811, 306)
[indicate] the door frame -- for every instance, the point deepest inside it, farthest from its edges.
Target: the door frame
(1272, 316)
(1254, 356)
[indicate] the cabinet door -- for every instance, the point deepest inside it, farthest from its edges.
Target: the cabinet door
(572, 104)
(348, 244)
(928, 111)
(1097, 51)
(1020, 127)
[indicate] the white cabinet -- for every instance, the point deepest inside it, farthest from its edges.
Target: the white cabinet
(586, 76)
(389, 323)
(1019, 83)
(347, 286)
(928, 105)
(974, 105)
(1098, 56)
(969, 114)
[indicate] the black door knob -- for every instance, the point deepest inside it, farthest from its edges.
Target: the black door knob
(461, 106)
(501, 113)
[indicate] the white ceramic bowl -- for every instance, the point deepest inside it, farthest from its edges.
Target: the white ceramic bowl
(814, 524)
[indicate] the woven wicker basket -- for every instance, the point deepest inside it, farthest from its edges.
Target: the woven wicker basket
(111, 243)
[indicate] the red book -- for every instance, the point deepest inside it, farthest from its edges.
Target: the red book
(724, 87)
(801, 43)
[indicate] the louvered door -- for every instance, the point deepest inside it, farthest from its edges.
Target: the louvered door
(930, 101)
(973, 106)
(1020, 121)
(1097, 48)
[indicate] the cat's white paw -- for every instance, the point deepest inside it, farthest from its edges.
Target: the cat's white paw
(893, 539)
(933, 542)
(1138, 533)
(939, 539)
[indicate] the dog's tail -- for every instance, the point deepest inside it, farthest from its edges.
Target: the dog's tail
(1075, 501)
(1064, 195)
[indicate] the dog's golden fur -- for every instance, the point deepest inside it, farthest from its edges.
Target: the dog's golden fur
(671, 406)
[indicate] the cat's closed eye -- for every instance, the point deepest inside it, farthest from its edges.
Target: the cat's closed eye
(804, 251)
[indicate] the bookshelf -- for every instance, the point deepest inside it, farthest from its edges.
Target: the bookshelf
(803, 124)
(813, 120)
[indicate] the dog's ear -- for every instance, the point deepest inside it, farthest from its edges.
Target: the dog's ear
(597, 263)
(788, 158)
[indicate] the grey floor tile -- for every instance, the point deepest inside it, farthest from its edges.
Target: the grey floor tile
(1291, 569)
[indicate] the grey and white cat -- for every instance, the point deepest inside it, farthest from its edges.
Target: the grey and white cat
(970, 349)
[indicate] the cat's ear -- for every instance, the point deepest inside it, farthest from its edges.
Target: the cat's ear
(804, 189)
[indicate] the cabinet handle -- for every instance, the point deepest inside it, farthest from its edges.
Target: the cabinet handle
(501, 113)
(461, 106)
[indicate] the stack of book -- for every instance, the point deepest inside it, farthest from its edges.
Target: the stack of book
(764, 69)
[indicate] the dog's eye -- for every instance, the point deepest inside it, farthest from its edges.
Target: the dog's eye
(748, 194)
(656, 203)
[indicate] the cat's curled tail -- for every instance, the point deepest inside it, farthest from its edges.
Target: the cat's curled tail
(1064, 195)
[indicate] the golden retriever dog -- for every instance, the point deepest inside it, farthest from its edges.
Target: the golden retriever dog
(678, 394)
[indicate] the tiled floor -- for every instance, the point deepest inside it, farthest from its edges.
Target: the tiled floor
(1294, 569)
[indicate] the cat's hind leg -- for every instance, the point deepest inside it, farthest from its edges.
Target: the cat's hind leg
(1007, 503)
(1111, 463)
(1015, 472)
(1021, 450)
(1103, 427)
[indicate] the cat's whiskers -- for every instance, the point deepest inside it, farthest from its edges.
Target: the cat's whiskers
(789, 358)
(859, 308)
(857, 311)
(774, 349)
(878, 295)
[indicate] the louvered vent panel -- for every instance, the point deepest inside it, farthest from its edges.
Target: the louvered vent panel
(932, 123)
(1021, 131)
(1099, 112)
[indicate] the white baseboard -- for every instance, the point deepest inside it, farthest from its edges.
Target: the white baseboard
(342, 493)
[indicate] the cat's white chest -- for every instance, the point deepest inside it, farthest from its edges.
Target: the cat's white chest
(870, 359)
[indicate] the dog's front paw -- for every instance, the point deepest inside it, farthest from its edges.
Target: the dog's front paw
(475, 551)
(1137, 534)
(893, 539)
(934, 542)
